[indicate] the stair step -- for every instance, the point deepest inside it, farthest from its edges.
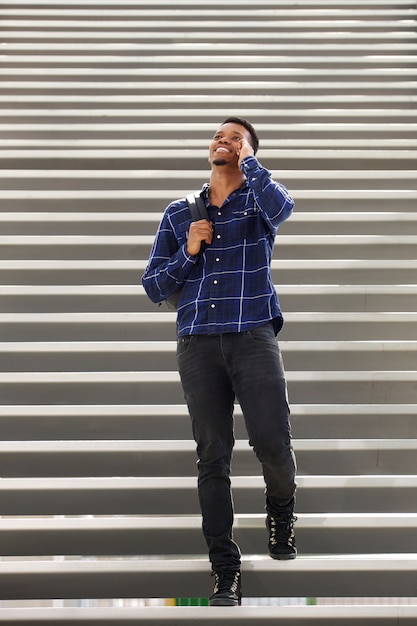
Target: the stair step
(128, 247)
(134, 148)
(195, 115)
(118, 326)
(360, 58)
(370, 575)
(310, 201)
(355, 101)
(316, 534)
(161, 355)
(247, 20)
(272, 131)
(192, 73)
(286, 90)
(133, 387)
(156, 188)
(143, 458)
(371, 181)
(301, 158)
(46, 37)
(178, 496)
(190, 144)
(160, 32)
(289, 271)
(75, 421)
(327, 8)
(221, 47)
(247, 615)
(45, 296)
(322, 223)
(39, 208)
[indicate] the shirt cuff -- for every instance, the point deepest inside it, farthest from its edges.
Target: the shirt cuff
(249, 163)
(188, 258)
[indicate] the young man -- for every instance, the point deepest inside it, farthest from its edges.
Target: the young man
(228, 318)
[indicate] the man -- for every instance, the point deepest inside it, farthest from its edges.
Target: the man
(228, 318)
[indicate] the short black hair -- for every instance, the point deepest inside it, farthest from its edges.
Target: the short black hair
(242, 122)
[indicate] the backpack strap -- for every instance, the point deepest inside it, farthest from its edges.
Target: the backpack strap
(198, 211)
(197, 207)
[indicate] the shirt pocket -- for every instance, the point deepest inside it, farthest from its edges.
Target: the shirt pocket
(244, 221)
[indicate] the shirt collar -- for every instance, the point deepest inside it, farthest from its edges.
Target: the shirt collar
(205, 190)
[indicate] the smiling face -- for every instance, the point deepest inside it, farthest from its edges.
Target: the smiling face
(226, 144)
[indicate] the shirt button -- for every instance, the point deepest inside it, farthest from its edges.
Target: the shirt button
(217, 260)
(245, 213)
(219, 212)
(214, 282)
(213, 306)
(218, 236)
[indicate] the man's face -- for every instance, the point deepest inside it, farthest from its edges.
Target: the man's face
(226, 143)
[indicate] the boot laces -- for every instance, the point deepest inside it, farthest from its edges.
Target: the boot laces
(226, 581)
(282, 529)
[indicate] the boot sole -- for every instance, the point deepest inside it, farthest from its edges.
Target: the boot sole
(282, 557)
(224, 602)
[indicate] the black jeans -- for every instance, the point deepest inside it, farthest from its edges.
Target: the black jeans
(214, 370)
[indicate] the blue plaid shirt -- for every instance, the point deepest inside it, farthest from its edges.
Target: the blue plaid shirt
(228, 288)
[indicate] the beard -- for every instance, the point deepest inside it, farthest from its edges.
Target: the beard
(219, 161)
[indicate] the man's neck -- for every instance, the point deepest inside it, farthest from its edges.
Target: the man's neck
(222, 182)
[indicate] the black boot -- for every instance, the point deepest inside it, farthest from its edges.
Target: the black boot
(281, 536)
(227, 590)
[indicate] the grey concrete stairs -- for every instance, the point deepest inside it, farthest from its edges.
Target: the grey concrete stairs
(106, 111)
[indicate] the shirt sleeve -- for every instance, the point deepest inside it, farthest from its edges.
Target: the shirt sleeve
(169, 262)
(272, 198)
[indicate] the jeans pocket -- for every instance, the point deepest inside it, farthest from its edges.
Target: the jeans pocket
(263, 334)
(184, 345)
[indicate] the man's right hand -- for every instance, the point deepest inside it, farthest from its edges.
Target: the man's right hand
(199, 231)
